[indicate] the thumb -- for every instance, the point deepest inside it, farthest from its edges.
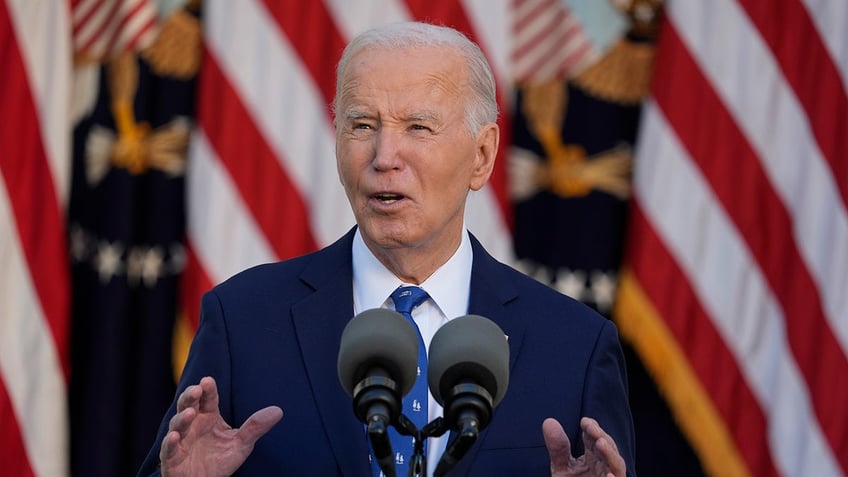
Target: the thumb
(259, 423)
(559, 447)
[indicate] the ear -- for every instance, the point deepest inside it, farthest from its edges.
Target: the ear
(338, 162)
(484, 158)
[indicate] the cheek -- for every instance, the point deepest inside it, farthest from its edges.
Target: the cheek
(346, 160)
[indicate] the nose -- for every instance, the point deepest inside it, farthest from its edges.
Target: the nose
(387, 150)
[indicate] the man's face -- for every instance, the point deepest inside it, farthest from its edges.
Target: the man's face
(404, 154)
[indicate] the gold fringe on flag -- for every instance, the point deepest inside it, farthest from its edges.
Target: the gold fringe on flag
(641, 325)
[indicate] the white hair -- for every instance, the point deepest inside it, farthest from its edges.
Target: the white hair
(481, 107)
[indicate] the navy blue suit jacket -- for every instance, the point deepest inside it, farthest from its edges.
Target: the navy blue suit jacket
(270, 336)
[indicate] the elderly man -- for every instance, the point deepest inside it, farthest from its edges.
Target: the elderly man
(415, 128)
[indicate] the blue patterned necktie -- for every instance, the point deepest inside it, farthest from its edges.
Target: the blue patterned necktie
(415, 406)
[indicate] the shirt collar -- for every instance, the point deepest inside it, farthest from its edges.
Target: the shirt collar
(448, 286)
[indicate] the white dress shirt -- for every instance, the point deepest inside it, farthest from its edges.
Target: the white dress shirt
(448, 288)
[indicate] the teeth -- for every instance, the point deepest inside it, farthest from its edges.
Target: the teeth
(388, 198)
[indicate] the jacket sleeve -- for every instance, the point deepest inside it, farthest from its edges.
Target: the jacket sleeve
(606, 394)
(208, 356)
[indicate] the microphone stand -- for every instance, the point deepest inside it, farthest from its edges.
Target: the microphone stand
(466, 437)
(417, 462)
(470, 406)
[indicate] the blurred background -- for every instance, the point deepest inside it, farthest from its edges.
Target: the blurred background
(680, 166)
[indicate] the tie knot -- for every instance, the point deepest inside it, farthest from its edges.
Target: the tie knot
(407, 298)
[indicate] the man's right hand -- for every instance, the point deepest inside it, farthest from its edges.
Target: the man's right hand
(200, 443)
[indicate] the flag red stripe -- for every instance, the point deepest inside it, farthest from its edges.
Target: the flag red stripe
(544, 37)
(119, 30)
(453, 14)
(574, 58)
(28, 179)
(555, 50)
(808, 67)
(311, 30)
(79, 24)
(521, 22)
(104, 26)
(136, 39)
(234, 137)
(721, 152)
(709, 356)
(13, 458)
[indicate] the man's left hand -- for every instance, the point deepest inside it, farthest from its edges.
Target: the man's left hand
(601, 457)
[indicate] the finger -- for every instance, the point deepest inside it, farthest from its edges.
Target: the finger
(559, 447)
(182, 421)
(258, 424)
(170, 445)
(209, 397)
(595, 431)
(605, 446)
(189, 398)
(601, 447)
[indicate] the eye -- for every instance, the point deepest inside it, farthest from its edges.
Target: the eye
(419, 127)
(361, 126)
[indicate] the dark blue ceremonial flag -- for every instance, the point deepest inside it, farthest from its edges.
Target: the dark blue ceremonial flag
(126, 223)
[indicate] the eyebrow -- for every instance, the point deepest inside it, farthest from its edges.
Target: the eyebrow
(422, 116)
(354, 114)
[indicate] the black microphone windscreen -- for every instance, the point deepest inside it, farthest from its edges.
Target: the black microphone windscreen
(469, 348)
(378, 338)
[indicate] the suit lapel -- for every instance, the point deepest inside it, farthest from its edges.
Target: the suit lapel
(491, 292)
(319, 320)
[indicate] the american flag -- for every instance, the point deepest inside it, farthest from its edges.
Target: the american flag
(103, 29)
(737, 260)
(736, 282)
(35, 58)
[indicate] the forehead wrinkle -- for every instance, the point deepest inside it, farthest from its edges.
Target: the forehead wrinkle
(357, 92)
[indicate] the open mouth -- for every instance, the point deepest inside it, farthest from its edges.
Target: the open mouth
(388, 197)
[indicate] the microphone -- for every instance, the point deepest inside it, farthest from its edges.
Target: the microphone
(468, 373)
(377, 366)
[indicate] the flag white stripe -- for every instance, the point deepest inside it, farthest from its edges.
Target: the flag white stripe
(490, 19)
(563, 56)
(223, 220)
(537, 25)
(286, 106)
(82, 9)
(41, 28)
(831, 19)
(133, 27)
(367, 13)
(523, 9)
(768, 113)
(484, 219)
(704, 242)
(95, 23)
(29, 366)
